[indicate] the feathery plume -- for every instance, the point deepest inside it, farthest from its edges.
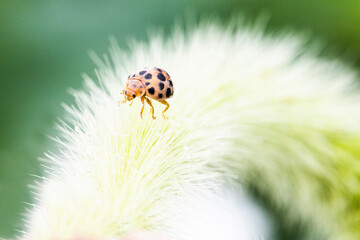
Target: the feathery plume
(255, 109)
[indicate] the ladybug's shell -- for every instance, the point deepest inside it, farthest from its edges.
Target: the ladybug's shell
(157, 82)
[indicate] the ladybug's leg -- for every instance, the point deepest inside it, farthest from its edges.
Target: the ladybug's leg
(152, 108)
(143, 105)
(167, 107)
(123, 93)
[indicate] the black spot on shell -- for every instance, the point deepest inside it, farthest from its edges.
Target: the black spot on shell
(151, 90)
(141, 86)
(134, 85)
(161, 77)
(167, 73)
(125, 92)
(129, 76)
(133, 96)
(160, 95)
(171, 84)
(159, 69)
(148, 76)
(161, 85)
(142, 72)
(141, 92)
(147, 83)
(168, 92)
(133, 75)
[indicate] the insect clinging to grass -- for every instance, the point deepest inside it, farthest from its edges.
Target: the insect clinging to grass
(152, 82)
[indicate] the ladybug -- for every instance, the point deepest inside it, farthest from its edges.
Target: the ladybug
(152, 82)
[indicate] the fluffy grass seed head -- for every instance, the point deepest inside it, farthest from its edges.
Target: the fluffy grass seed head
(247, 107)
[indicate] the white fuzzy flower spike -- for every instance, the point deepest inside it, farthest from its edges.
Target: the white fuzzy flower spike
(245, 106)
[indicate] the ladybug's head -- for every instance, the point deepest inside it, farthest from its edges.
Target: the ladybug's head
(129, 94)
(134, 88)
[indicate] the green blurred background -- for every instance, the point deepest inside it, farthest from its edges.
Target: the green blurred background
(43, 51)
